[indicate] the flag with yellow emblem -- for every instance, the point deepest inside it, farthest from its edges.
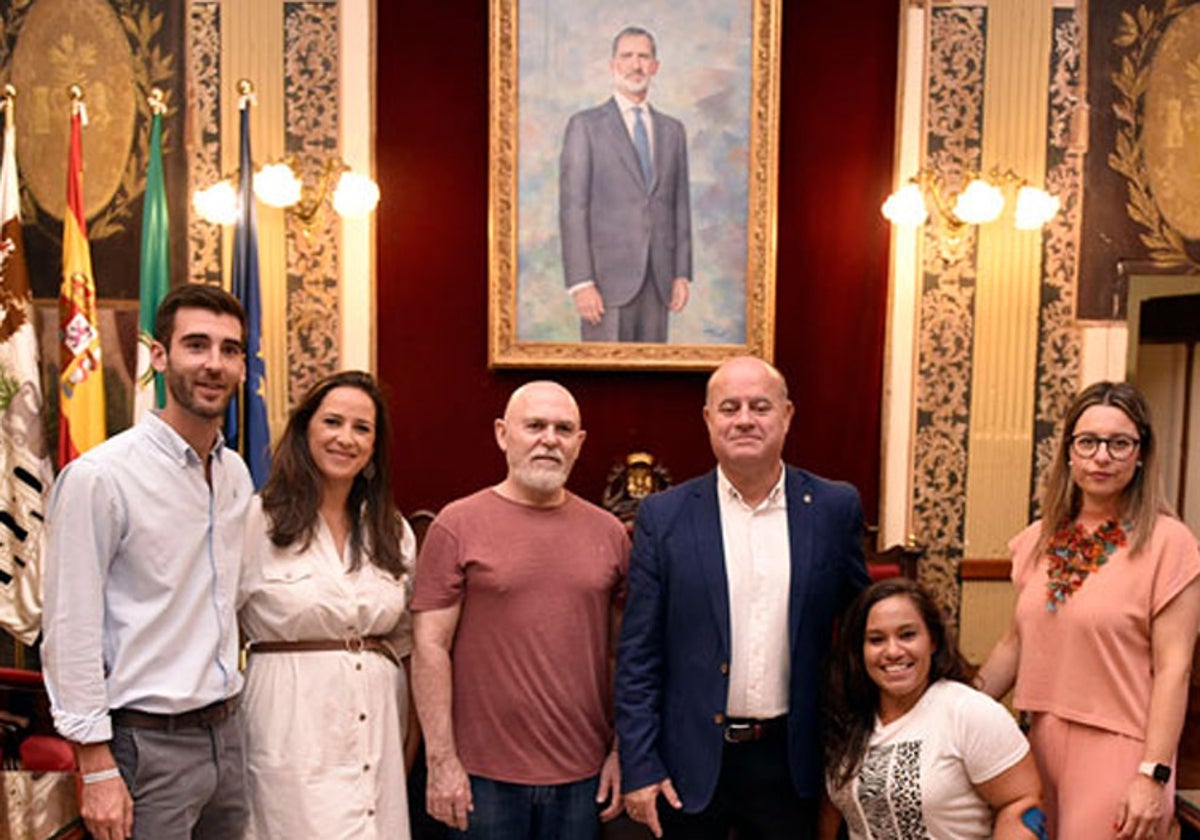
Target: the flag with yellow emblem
(81, 376)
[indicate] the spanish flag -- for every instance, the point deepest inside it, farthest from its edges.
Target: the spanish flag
(81, 377)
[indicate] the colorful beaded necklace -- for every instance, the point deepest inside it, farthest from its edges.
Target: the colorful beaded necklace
(1074, 554)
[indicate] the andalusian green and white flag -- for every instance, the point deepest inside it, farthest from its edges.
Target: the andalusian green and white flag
(155, 274)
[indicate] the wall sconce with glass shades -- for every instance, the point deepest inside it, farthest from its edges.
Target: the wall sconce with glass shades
(982, 201)
(276, 184)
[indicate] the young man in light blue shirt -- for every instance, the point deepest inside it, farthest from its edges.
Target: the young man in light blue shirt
(144, 550)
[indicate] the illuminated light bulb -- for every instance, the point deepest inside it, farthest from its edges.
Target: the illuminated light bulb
(276, 185)
(1035, 207)
(979, 203)
(355, 195)
(217, 204)
(906, 206)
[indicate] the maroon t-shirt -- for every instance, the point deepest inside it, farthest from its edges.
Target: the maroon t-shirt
(531, 653)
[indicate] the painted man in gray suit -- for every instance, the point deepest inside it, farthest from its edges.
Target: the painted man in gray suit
(623, 205)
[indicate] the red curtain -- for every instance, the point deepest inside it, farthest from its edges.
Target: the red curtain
(838, 83)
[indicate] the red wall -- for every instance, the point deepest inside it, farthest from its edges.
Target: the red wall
(838, 76)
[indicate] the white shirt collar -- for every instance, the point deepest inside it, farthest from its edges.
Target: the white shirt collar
(626, 104)
(775, 498)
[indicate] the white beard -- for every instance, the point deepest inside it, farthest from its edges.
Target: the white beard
(540, 479)
(626, 84)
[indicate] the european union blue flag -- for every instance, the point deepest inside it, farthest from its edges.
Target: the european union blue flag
(246, 426)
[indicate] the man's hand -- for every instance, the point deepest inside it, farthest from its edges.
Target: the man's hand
(588, 303)
(680, 289)
(448, 792)
(610, 788)
(106, 807)
(642, 804)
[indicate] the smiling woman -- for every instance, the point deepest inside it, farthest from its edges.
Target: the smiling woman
(1108, 583)
(324, 607)
(897, 651)
(908, 743)
(341, 436)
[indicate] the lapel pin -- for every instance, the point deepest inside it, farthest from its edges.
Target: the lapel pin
(807, 498)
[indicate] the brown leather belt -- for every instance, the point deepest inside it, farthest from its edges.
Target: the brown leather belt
(354, 644)
(747, 730)
(209, 715)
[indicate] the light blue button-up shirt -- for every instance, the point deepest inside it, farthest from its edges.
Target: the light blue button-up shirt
(141, 578)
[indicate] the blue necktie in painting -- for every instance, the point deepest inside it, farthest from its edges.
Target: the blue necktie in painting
(641, 142)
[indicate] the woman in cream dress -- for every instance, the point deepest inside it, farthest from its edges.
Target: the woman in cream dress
(323, 610)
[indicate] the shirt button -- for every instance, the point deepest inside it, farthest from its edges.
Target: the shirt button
(724, 667)
(370, 812)
(718, 718)
(362, 716)
(366, 767)
(358, 666)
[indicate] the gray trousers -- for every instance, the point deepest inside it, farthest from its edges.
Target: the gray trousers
(642, 319)
(187, 784)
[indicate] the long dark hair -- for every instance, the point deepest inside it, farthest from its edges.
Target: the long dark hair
(1143, 497)
(851, 697)
(291, 498)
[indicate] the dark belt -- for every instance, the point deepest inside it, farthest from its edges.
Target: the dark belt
(747, 730)
(354, 644)
(210, 715)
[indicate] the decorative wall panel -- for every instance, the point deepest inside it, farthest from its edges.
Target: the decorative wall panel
(954, 120)
(1058, 334)
(311, 59)
(310, 63)
(203, 141)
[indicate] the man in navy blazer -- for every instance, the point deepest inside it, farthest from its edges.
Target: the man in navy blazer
(735, 581)
(624, 213)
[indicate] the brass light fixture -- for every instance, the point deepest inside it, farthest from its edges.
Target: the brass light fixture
(351, 194)
(982, 201)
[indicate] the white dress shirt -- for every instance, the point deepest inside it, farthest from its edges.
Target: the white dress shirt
(141, 580)
(758, 569)
(627, 105)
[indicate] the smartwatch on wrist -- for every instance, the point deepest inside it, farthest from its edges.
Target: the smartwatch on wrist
(1160, 773)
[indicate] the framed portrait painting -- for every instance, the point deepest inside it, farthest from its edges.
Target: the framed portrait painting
(632, 196)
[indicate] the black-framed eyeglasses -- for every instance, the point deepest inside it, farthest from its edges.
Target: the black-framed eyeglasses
(1120, 447)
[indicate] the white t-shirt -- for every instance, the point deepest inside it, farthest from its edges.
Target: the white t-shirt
(917, 778)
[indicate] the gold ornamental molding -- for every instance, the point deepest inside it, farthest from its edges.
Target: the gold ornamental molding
(113, 51)
(1140, 37)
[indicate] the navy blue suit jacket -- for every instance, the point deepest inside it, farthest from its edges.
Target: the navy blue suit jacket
(672, 678)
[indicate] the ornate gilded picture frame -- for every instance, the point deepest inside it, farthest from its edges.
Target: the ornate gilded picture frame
(562, 170)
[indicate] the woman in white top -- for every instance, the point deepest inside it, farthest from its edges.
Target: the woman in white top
(324, 611)
(911, 751)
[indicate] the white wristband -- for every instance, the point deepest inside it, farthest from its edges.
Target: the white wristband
(101, 776)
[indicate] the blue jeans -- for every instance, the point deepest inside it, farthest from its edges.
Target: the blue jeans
(505, 811)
